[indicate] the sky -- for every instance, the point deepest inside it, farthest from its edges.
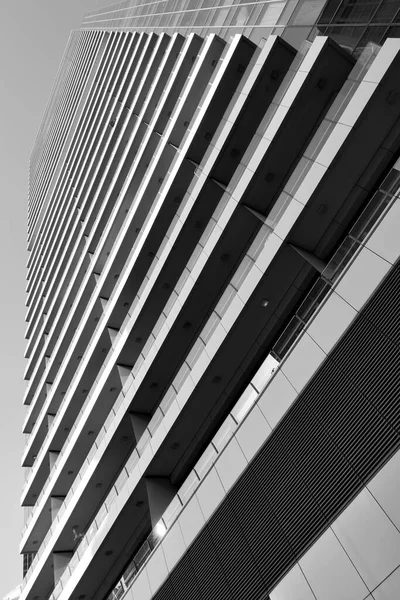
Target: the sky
(33, 35)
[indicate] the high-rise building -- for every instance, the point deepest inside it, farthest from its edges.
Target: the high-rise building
(213, 306)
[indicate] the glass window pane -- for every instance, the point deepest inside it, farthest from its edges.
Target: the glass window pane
(306, 12)
(397, 17)
(209, 3)
(329, 11)
(392, 32)
(230, 17)
(229, 32)
(187, 18)
(241, 15)
(347, 37)
(270, 14)
(287, 12)
(219, 17)
(201, 18)
(260, 33)
(387, 10)
(296, 35)
(254, 16)
(354, 11)
(373, 34)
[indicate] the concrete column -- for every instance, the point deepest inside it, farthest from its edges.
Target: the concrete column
(160, 493)
(60, 563)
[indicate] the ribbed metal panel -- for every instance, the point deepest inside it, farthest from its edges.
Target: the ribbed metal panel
(326, 491)
(208, 570)
(389, 327)
(259, 525)
(342, 428)
(183, 581)
(224, 527)
(167, 593)
(291, 502)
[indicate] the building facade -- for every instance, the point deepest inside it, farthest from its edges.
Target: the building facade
(213, 306)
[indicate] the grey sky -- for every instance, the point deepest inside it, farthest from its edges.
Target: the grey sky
(32, 40)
